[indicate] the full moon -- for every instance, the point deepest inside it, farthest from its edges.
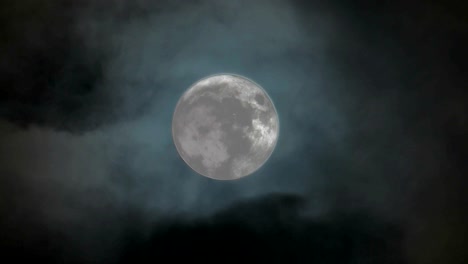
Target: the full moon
(225, 127)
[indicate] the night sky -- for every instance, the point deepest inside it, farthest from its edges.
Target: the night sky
(370, 164)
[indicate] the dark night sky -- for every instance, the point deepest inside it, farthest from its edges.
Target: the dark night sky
(370, 166)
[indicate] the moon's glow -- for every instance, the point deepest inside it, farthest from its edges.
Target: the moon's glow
(225, 127)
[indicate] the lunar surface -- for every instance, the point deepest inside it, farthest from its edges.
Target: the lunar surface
(225, 127)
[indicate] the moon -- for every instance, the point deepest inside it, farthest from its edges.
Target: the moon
(225, 127)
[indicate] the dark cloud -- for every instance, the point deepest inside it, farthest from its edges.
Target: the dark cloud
(48, 73)
(372, 147)
(272, 229)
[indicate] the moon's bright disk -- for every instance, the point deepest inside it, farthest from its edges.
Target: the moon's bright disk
(225, 127)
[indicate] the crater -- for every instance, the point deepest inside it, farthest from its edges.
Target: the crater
(260, 99)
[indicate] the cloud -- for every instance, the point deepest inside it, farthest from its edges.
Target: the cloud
(271, 228)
